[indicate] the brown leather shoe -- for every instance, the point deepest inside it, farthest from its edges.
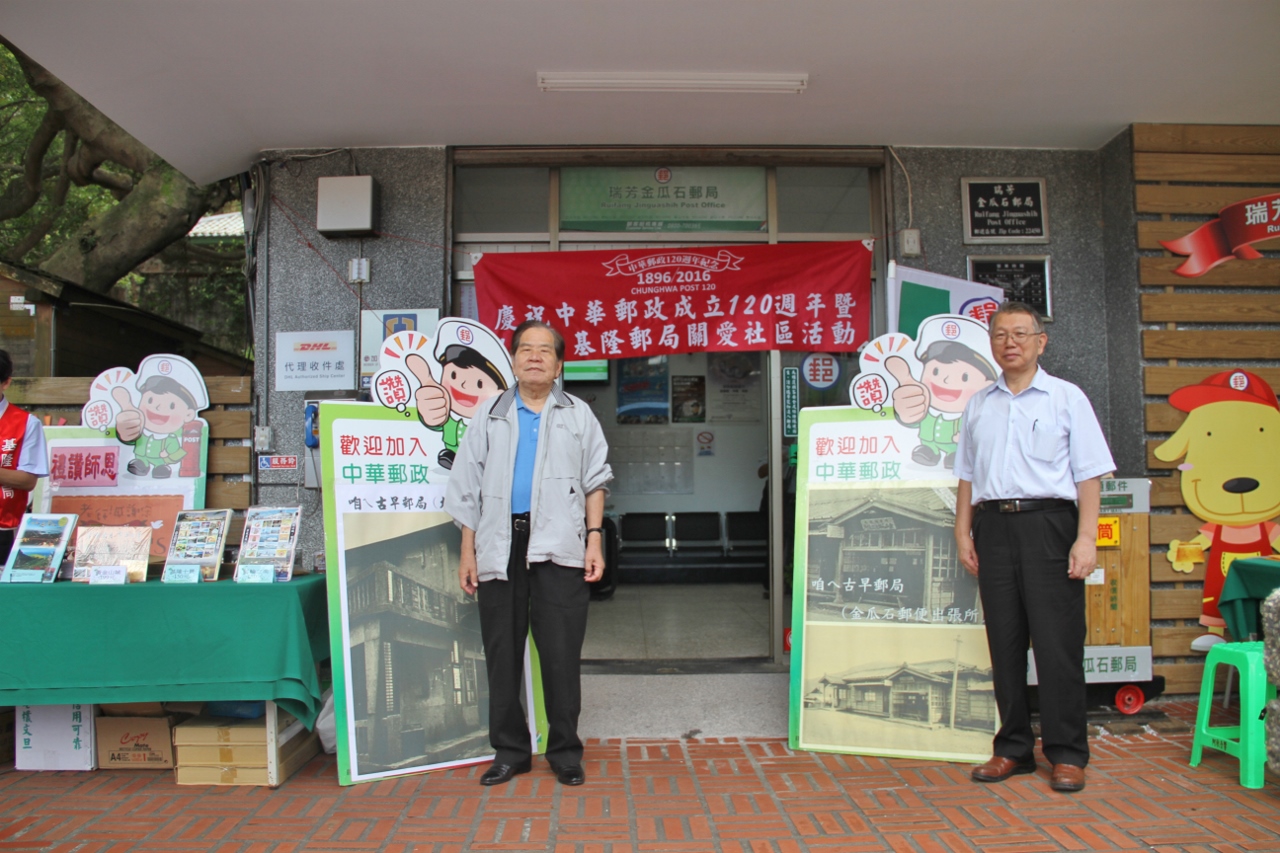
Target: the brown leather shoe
(1067, 777)
(1000, 768)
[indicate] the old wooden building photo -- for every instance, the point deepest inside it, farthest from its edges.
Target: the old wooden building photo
(417, 676)
(898, 690)
(887, 553)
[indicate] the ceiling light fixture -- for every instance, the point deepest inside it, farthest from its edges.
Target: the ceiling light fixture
(671, 81)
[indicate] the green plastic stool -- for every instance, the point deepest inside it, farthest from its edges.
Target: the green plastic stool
(1247, 741)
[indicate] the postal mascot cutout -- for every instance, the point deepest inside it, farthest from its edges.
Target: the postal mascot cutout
(1230, 447)
(951, 362)
(156, 411)
(468, 364)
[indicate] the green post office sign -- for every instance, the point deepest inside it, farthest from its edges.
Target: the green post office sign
(675, 198)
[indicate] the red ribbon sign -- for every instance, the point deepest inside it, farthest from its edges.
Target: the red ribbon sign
(1229, 236)
(644, 302)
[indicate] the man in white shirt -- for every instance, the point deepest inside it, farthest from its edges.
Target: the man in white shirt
(23, 459)
(1030, 458)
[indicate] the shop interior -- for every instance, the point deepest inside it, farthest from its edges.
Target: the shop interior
(688, 443)
(695, 560)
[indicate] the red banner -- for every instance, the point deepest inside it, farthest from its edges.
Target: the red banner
(629, 303)
(1229, 236)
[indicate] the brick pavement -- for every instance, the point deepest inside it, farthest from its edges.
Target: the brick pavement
(672, 796)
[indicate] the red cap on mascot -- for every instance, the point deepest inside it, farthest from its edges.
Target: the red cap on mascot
(1239, 386)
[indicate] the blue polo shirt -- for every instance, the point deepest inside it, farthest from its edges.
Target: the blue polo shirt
(526, 455)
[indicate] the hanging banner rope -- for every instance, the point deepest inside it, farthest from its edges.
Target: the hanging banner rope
(643, 302)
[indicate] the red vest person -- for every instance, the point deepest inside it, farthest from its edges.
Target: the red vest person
(23, 459)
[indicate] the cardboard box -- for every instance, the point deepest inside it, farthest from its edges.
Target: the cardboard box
(291, 758)
(224, 755)
(229, 730)
(54, 737)
(135, 743)
(132, 709)
(231, 751)
(6, 736)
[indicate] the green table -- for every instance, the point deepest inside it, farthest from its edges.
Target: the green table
(1247, 584)
(153, 642)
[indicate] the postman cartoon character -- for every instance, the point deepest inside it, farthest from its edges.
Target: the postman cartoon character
(1230, 447)
(471, 366)
(956, 363)
(170, 395)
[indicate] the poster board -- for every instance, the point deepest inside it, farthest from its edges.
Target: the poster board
(410, 686)
(889, 652)
(392, 557)
(916, 294)
(140, 455)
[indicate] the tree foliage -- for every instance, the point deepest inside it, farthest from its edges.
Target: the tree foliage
(82, 200)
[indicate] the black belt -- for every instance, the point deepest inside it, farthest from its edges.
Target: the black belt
(1025, 505)
(518, 558)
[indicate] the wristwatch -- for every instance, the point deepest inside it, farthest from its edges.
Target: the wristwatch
(599, 530)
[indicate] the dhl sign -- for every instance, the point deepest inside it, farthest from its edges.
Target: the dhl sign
(315, 346)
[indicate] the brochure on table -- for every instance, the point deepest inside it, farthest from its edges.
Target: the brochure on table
(139, 456)
(195, 549)
(126, 547)
(890, 654)
(268, 544)
(38, 548)
(397, 615)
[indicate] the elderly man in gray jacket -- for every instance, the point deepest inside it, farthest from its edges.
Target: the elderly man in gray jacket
(528, 488)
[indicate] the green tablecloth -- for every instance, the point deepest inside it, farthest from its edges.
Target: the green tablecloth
(1247, 584)
(153, 642)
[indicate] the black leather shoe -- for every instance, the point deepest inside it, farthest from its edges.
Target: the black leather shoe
(569, 774)
(497, 773)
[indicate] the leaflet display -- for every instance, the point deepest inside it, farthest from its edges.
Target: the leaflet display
(127, 547)
(270, 539)
(199, 536)
(38, 548)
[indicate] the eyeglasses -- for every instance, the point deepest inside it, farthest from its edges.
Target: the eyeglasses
(1019, 336)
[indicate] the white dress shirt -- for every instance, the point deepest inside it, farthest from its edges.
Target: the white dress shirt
(1037, 444)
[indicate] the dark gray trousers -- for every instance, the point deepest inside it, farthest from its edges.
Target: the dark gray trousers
(1027, 598)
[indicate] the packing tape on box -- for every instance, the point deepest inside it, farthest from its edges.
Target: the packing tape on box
(226, 754)
(228, 775)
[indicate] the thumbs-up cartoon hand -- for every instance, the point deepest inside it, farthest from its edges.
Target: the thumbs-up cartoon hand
(910, 398)
(129, 421)
(431, 398)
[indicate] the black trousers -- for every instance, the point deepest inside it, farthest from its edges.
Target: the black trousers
(553, 600)
(6, 542)
(1028, 598)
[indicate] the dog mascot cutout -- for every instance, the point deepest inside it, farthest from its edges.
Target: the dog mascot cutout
(1230, 447)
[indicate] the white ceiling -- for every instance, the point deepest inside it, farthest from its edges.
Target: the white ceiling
(209, 83)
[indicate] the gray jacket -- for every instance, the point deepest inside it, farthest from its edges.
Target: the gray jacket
(570, 464)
